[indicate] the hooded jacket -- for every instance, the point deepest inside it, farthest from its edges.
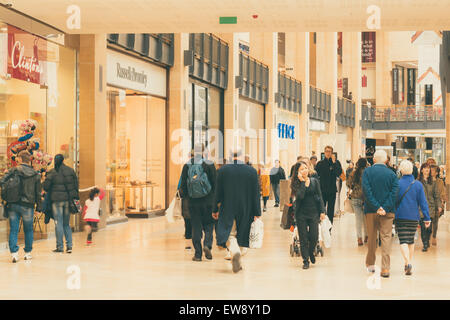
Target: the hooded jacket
(61, 183)
(31, 183)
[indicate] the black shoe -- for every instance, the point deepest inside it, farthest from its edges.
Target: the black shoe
(69, 250)
(264, 209)
(207, 252)
(408, 269)
(313, 259)
(424, 249)
(196, 259)
(236, 262)
(188, 247)
(276, 205)
(58, 250)
(305, 265)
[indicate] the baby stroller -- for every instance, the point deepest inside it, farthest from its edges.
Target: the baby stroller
(294, 247)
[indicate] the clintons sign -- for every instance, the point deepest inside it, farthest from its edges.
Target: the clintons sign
(26, 56)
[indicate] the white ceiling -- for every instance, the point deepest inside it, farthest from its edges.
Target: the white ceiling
(167, 16)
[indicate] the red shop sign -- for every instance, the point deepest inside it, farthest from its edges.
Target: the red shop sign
(27, 55)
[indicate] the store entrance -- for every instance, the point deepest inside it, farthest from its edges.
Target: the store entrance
(135, 153)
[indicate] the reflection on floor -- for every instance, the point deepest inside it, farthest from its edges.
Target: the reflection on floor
(146, 259)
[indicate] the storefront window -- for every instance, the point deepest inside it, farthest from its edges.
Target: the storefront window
(44, 94)
(136, 152)
(205, 113)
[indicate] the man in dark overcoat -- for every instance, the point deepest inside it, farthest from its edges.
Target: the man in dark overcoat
(237, 205)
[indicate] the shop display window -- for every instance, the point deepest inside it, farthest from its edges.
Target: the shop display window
(135, 152)
(44, 95)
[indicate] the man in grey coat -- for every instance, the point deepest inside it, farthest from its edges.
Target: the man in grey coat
(236, 206)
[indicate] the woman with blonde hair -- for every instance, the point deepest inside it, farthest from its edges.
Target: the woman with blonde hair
(411, 196)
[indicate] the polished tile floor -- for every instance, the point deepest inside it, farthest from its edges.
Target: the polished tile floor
(146, 259)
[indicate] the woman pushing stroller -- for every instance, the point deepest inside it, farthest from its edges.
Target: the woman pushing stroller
(309, 210)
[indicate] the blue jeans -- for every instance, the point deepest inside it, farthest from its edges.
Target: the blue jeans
(276, 192)
(357, 205)
(16, 212)
(62, 218)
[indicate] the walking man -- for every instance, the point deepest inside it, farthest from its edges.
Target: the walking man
(237, 205)
(329, 169)
(276, 174)
(21, 189)
(198, 182)
(380, 187)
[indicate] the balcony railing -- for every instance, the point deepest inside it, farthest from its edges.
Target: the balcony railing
(345, 114)
(403, 117)
(319, 104)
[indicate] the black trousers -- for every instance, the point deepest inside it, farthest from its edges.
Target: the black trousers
(425, 233)
(202, 222)
(93, 226)
(308, 232)
(187, 228)
(329, 200)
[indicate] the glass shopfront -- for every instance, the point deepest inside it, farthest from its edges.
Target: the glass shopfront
(37, 105)
(206, 109)
(136, 143)
(251, 137)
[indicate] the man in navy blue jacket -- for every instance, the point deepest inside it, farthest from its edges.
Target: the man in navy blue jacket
(380, 187)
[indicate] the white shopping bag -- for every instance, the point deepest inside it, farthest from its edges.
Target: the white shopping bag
(325, 227)
(174, 212)
(256, 234)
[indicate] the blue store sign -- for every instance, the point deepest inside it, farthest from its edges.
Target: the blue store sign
(286, 131)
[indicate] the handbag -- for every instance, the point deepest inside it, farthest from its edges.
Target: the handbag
(74, 204)
(256, 234)
(175, 209)
(348, 207)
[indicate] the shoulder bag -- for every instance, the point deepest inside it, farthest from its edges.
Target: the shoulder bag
(74, 204)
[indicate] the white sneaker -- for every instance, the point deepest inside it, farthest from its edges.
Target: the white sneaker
(15, 257)
(27, 256)
(244, 251)
(228, 255)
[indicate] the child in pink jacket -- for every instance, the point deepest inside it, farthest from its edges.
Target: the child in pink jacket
(91, 211)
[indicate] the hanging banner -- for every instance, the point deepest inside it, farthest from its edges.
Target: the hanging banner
(27, 55)
(411, 97)
(395, 86)
(368, 47)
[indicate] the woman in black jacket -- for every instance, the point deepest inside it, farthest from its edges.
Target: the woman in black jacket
(309, 210)
(62, 184)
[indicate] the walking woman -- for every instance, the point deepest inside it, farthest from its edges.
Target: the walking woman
(264, 179)
(354, 184)
(434, 203)
(434, 172)
(62, 184)
(410, 197)
(309, 210)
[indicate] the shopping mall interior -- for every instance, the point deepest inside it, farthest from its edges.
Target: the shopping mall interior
(124, 90)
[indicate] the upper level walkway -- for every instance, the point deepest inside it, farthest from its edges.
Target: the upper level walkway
(146, 259)
(427, 117)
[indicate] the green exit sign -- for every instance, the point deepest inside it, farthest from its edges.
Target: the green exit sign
(228, 20)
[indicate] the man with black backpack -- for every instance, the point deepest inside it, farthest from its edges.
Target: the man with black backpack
(21, 190)
(198, 180)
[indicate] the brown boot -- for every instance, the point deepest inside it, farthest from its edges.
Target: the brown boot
(366, 238)
(433, 241)
(360, 242)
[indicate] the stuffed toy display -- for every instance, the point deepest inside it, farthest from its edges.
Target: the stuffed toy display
(24, 142)
(41, 161)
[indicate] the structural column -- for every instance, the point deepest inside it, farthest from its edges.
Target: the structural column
(178, 141)
(352, 70)
(92, 111)
(383, 69)
(327, 75)
(264, 47)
